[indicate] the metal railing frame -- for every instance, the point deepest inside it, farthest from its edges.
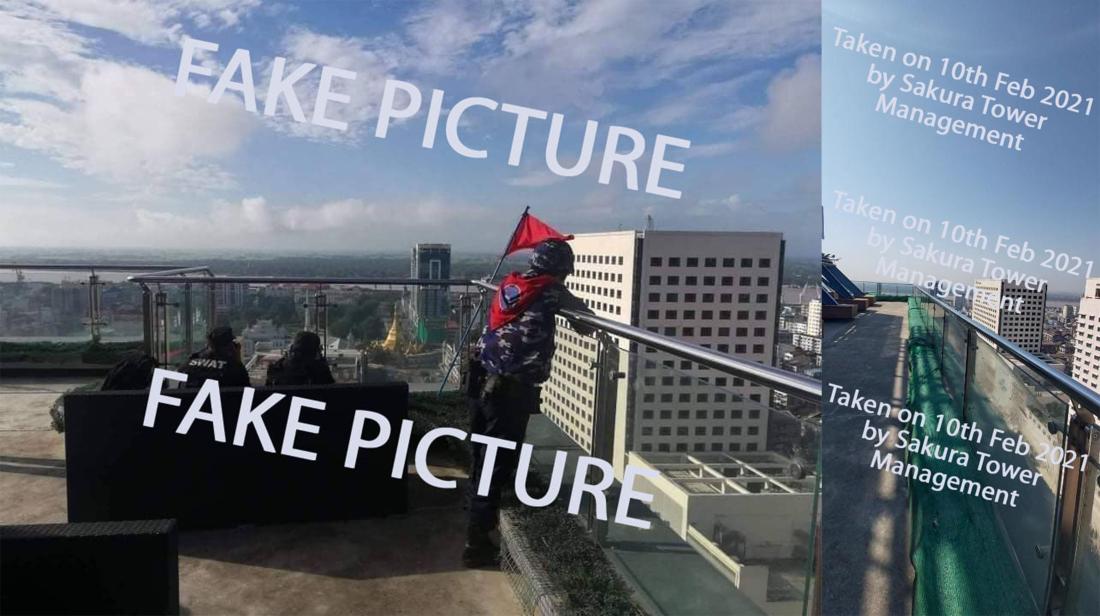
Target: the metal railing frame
(1081, 434)
(606, 365)
(1075, 390)
(155, 304)
(93, 270)
(781, 380)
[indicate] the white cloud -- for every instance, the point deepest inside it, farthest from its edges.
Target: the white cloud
(563, 53)
(126, 124)
(535, 179)
(254, 221)
(111, 120)
(11, 181)
(792, 117)
(371, 60)
(443, 32)
(145, 21)
(710, 150)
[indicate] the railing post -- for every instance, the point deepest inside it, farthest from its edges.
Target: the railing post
(93, 306)
(1073, 529)
(162, 327)
(212, 308)
(148, 316)
(320, 307)
(968, 367)
(605, 398)
(943, 339)
(188, 319)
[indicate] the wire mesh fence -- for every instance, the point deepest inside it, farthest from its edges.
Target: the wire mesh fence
(529, 580)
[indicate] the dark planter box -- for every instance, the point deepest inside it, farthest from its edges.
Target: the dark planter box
(117, 469)
(95, 568)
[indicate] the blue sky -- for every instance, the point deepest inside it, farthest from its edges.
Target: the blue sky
(96, 151)
(1047, 194)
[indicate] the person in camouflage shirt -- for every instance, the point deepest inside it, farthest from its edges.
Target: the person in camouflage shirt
(514, 353)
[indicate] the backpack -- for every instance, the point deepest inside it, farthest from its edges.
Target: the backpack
(134, 371)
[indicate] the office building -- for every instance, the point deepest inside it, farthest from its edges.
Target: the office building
(429, 307)
(1014, 311)
(1086, 353)
(716, 289)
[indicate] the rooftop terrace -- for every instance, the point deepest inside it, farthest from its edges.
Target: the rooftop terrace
(405, 564)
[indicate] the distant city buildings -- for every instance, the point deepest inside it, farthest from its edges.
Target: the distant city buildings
(229, 296)
(1068, 312)
(429, 308)
(1086, 355)
(813, 318)
(716, 289)
(1013, 311)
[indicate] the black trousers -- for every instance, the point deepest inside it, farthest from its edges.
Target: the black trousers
(501, 411)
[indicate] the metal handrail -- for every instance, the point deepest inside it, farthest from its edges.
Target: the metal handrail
(77, 267)
(178, 271)
(163, 277)
(1072, 388)
(780, 380)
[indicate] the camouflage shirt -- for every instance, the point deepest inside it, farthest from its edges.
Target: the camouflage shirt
(524, 347)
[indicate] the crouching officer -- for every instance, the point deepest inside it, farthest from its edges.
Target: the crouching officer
(303, 365)
(220, 360)
(510, 360)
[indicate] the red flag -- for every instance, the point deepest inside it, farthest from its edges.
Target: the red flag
(530, 232)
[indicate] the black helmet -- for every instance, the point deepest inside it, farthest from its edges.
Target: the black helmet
(306, 345)
(554, 257)
(220, 336)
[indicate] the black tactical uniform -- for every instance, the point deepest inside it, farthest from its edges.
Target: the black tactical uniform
(510, 361)
(303, 365)
(220, 360)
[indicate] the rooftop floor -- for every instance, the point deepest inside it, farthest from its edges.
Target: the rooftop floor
(865, 516)
(407, 564)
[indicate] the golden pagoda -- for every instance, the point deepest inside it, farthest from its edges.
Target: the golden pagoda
(390, 343)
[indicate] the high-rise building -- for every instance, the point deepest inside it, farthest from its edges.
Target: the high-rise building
(813, 318)
(1012, 310)
(716, 289)
(430, 307)
(1067, 312)
(1086, 353)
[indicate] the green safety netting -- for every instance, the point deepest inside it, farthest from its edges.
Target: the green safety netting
(961, 561)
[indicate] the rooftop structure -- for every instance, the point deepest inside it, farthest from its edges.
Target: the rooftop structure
(1012, 310)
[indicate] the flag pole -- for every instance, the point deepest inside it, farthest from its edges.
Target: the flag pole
(480, 303)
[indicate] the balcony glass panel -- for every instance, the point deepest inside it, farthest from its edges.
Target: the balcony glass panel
(735, 494)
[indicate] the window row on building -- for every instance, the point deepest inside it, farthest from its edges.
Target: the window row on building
(707, 262)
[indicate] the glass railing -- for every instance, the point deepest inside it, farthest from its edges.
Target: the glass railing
(734, 442)
(735, 505)
(371, 330)
(895, 289)
(68, 316)
(1041, 547)
(738, 484)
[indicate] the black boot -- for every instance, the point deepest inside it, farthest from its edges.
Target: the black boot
(480, 551)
